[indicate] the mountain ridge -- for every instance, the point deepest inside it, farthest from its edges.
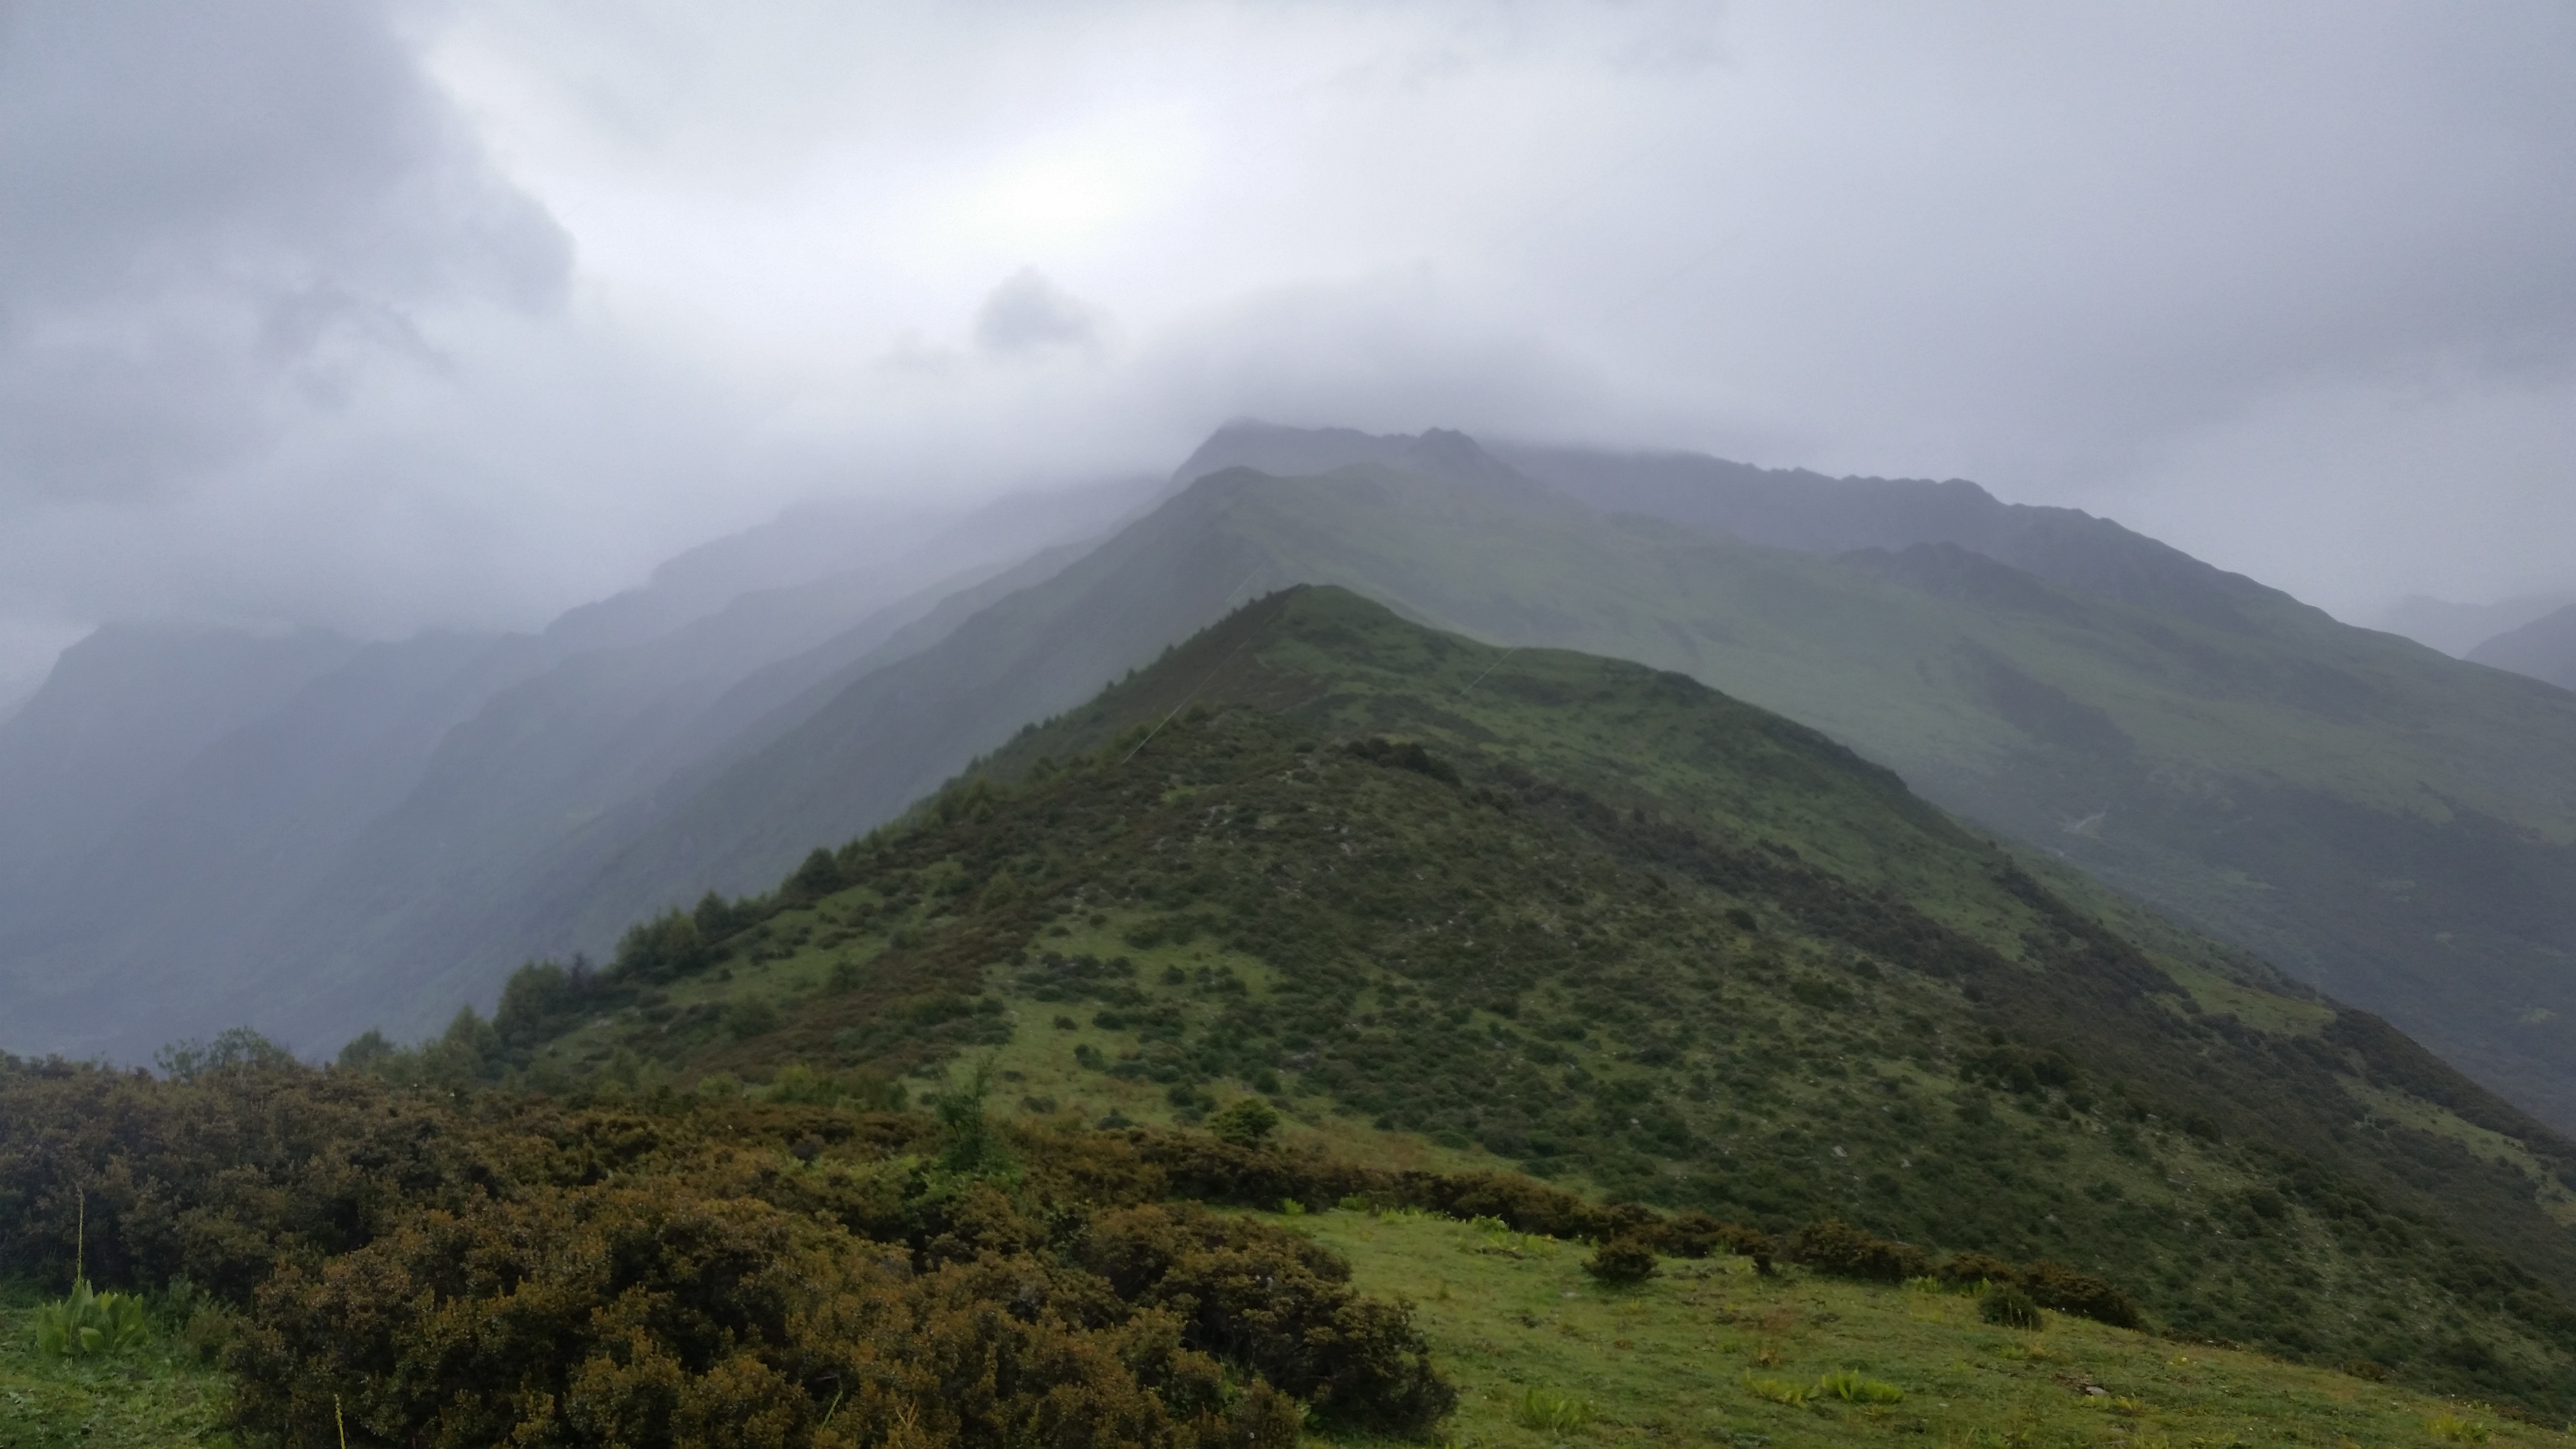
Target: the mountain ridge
(1594, 920)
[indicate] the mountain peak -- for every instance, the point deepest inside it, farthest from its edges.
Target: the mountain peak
(1289, 452)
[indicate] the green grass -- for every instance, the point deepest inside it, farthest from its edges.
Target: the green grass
(1707, 1352)
(153, 1397)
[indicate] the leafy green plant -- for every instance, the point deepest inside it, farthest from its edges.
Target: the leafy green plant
(1779, 1391)
(1850, 1386)
(2455, 1429)
(1550, 1412)
(88, 1322)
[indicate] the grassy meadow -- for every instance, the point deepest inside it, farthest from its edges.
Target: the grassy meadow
(1711, 1352)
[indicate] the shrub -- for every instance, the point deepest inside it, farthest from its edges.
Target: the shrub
(1967, 1270)
(1278, 1305)
(1621, 1261)
(1835, 1247)
(750, 1017)
(674, 1312)
(1246, 1123)
(1404, 755)
(2008, 1306)
(2068, 1291)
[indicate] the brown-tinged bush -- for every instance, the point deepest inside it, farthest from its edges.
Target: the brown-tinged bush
(1967, 1270)
(1752, 1243)
(654, 1314)
(2067, 1291)
(1835, 1247)
(1279, 1306)
(1621, 1261)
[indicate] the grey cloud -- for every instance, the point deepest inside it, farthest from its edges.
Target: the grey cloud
(2293, 285)
(1027, 313)
(211, 214)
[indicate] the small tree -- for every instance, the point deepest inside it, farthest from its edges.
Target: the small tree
(1247, 1122)
(186, 1061)
(972, 1147)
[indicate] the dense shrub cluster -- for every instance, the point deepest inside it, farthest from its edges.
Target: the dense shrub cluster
(722, 1272)
(1836, 1247)
(663, 1314)
(1620, 1261)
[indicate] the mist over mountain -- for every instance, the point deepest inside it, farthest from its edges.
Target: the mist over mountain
(2367, 814)
(2458, 629)
(231, 818)
(2545, 648)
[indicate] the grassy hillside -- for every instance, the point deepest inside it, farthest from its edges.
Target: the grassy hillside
(2389, 824)
(1452, 904)
(1711, 1352)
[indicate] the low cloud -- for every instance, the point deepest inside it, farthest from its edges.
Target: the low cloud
(1027, 313)
(387, 315)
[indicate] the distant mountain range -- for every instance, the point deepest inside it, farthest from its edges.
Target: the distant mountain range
(2458, 629)
(2370, 815)
(2545, 648)
(198, 822)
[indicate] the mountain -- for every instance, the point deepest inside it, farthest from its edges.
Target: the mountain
(2458, 629)
(121, 714)
(2373, 817)
(211, 822)
(2545, 649)
(1596, 921)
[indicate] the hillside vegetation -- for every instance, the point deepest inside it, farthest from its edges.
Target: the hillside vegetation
(2390, 825)
(1448, 905)
(398, 1267)
(1337, 1030)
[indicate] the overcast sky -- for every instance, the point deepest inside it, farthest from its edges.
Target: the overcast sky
(455, 314)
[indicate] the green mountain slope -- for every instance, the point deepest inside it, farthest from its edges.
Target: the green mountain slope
(2387, 823)
(1596, 920)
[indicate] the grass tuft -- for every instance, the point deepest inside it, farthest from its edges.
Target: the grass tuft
(2452, 1428)
(1850, 1386)
(1550, 1412)
(1778, 1391)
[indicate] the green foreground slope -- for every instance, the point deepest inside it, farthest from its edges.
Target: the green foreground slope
(1711, 1352)
(447, 1270)
(1579, 916)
